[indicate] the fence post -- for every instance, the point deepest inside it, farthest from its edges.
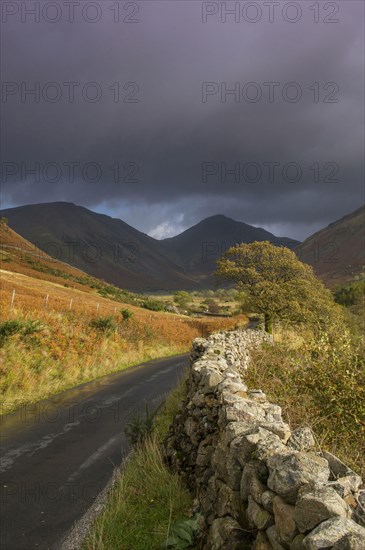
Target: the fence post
(46, 301)
(97, 306)
(12, 298)
(70, 304)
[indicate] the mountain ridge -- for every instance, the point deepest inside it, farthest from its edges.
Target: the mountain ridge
(110, 249)
(336, 252)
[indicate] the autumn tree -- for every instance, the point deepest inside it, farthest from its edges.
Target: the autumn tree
(276, 283)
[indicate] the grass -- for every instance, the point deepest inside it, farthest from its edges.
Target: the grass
(46, 348)
(319, 382)
(147, 499)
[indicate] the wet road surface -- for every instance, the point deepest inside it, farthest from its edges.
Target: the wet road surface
(58, 454)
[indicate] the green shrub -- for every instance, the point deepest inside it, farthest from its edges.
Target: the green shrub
(103, 324)
(139, 429)
(153, 304)
(182, 298)
(126, 314)
(12, 326)
(350, 294)
(17, 326)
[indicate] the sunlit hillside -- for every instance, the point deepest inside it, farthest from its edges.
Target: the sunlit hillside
(56, 332)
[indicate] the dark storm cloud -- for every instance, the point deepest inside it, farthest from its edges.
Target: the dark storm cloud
(161, 150)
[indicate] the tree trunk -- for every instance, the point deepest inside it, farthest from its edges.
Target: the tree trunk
(268, 323)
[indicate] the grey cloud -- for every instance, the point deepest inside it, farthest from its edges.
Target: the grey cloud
(170, 133)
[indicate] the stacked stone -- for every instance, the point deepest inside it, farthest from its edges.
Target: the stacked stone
(257, 482)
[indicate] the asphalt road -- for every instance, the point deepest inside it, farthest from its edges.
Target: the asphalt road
(57, 455)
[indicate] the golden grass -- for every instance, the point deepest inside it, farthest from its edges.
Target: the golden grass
(318, 383)
(68, 351)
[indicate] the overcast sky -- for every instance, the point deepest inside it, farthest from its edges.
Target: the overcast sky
(284, 150)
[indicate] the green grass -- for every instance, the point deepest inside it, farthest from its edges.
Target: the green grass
(147, 499)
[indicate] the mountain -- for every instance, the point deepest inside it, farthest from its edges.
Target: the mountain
(197, 248)
(337, 251)
(102, 246)
(112, 250)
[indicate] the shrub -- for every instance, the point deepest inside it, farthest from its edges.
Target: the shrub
(126, 314)
(16, 326)
(139, 429)
(12, 326)
(182, 298)
(213, 306)
(350, 294)
(103, 324)
(153, 304)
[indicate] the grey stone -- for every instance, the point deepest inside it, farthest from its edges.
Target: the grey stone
(234, 472)
(257, 516)
(290, 471)
(258, 395)
(219, 458)
(250, 484)
(198, 400)
(279, 428)
(256, 442)
(205, 453)
(233, 387)
(301, 439)
(245, 485)
(316, 504)
(191, 428)
(227, 500)
(236, 429)
(268, 445)
(286, 528)
(273, 538)
(257, 489)
(211, 381)
(351, 483)
(297, 542)
(344, 533)
(342, 473)
(267, 499)
(261, 542)
(272, 412)
(220, 531)
(242, 410)
(351, 542)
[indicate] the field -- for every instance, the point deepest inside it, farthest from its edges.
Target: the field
(54, 337)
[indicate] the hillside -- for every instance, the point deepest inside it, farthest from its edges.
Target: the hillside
(111, 250)
(101, 246)
(18, 255)
(337, 251)
(198, 248)
(60, 327)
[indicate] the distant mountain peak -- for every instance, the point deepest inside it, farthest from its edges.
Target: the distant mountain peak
(129, 258)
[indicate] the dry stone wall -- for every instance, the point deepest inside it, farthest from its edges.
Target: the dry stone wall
(258, 484)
